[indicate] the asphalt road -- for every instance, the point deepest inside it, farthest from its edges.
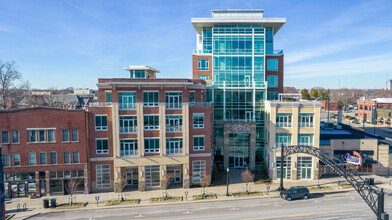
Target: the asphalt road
(334, 206)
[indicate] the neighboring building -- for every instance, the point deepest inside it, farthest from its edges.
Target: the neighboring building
(331, 105)
(292, 123)
(43, 149)
(339, 143)
(365, 107)
(384, 116)
(144, 128)
(234, 53)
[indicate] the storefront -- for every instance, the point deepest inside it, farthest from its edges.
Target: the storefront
(19, 184)
(61, 180)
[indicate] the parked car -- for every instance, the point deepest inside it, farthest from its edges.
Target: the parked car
(296, 192)
(355, 122)
(338, 127)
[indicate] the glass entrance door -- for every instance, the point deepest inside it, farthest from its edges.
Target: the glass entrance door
(174, 102)
(129, 178)
(248, 115)
(239, 162)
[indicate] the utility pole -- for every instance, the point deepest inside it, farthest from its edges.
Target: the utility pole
(281, 188)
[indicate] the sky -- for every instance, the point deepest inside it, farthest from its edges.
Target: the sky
(72, 43)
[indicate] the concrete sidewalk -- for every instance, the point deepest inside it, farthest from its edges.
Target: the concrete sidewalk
(35, 206)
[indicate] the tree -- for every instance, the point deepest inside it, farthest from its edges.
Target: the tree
(9, 90)
(120, 186)
(314, 93)
(165, 183)
(305, 94)
(71, 187)
(205, 182)
(247, 177)
(325, 94)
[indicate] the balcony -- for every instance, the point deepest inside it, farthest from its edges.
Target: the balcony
(240, 120)
(127, 106)
(175, 105)
(100, 104)
(200, 104)
(174, 151)
(200, 52)
(306, 125)
(239, 84)
(128, 153)
(283, 124)
(128, 130)
(174, 128)
(275, 52)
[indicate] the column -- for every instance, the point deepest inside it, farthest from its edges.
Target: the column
(116, 130)
(185, 125)
(37, 184)
(140, 129)
(162, 128)
(294, 166)
(186, 183)
(118, 174)
(294, 126)
(142, 179)
(252, 165)
(47, 182)
(226, 144)
(162, 173)
(86, 182)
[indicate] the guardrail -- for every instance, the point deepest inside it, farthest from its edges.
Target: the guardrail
(100, 104)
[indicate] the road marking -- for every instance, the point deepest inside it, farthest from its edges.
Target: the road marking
(300, 215)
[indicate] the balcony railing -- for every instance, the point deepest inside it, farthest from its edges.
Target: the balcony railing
(240, 120)
(202, 52)
(100, 104)
(174, 128)
(177, 105)
(283, 124)
(128, 153)
(200, 104)
(276, 52)
(306, 125)
(174, 151)
(128, 130)
(127, 106)
(240, 84)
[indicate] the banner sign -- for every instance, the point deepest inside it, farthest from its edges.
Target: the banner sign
(355, 159)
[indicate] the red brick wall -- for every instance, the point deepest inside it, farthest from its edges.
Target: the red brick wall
(195, 66)
(280, 74)
(333, 106)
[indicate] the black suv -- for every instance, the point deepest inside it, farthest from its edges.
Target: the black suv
(295, 193)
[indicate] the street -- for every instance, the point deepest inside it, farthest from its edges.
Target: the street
(333, 206)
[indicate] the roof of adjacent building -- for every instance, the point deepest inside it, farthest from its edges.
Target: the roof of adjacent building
(119, 82)
(383, 100)
(238, 16)
(275, 103)
(141, 68)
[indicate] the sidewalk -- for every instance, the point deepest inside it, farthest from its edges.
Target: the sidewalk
(35, 206)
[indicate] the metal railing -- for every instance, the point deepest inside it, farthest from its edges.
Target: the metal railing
(200, 104)
(174, 128)
(128, 153)
(174, 105)
(283, 124)
(174, 151)
(202, 51)
(100, 104)
(128, 130)
(127, 106)
(240, 120)
(306, 125)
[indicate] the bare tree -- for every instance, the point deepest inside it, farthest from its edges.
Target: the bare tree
(120, 186)
(165, 183)
(9, 90)
(71, 187)
(247, 177)
(205, 182)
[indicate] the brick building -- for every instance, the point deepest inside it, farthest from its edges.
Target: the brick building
(333, 106)
(144, 129)
(365, 106)
(43, 149)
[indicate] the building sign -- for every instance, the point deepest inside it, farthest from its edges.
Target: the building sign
(355, 159)
(240, 129)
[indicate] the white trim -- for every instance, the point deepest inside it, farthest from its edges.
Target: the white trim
(35, 129)
(200, 154)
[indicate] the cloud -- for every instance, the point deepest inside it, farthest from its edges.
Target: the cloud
(368, 64)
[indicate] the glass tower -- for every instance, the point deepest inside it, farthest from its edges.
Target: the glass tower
(236, 42)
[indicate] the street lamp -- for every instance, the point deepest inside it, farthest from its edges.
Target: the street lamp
(281, 188)
(227, 182)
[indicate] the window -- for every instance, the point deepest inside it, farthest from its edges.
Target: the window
(32, 159)
(41, 136)
(203, 77)
(286, 167)
(137, 74)
(53, 157)
(283, 138)
(42, 158)
(4, 137)
(127, 100)
(103, 176)
(75, 157)
(198, 120)
(360, 107)
(151, 122)
(66, 157)
(192, 98)
(203, 64)
(15, 136)
(152, 176)
(150, 99)
(128, 124)
(108, 96)
(272, 95)
(366, 108)
(74, 135)
(101, 122)
(305, 139)
(102, 146)
(6, 160)
(174, 123)
(128, 148)
(16, 159)
(151, 145)
(173, 146)
(65, 135)
(198, 142)
(283, 120)
(306, 120)
(304, 168)
(173, 100)
(272, 64)
(272, 81)
(198, 170)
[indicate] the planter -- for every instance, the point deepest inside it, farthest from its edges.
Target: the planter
(208, 196)
(245, 194)
(74, 205)
(317, 188)
(126, 201)
(163, 199)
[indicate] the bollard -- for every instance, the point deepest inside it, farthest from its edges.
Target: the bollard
(24, 207)
(18, 207)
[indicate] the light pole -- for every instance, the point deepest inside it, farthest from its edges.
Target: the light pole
(281, 188)
(227, 182)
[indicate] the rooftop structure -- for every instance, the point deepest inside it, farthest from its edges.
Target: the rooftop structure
(140, 72)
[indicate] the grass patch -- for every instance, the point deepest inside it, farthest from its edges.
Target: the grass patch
(207, 196)
(163, 199)
(74, 205)
(344, 186)
(118, 201)
(245, 194)
(317, 188)
(263, 181)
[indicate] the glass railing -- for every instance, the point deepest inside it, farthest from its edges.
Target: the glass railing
(128, 130)
(200, 104)
(276, 52)
(127, 106)
(240, 120)
(173, 105)
(283, 124)
(306, 125)
(202, 51)
(239, 84)
(100, 104)
(174, 151)
(128, 153)
(174, 128)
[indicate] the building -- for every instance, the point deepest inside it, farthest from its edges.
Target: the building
(384, 116)
(144, 129)
(292, 123)
(43, 150)
(365, 107)
(235, 54)
(331, 105)
(341, 143)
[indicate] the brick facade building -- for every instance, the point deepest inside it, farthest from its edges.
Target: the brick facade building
(333, 106)
(365, 106)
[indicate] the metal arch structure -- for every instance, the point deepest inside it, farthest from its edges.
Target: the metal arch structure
(373, 197)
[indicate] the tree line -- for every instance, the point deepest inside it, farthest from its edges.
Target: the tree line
(315, 94)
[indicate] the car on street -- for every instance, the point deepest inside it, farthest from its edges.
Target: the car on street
(355, 122)
(297, 192)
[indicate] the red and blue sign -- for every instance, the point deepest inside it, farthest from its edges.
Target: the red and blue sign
(355, 158)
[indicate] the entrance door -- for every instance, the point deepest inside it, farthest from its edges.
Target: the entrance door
(248, 115)
(306, 172)
(129, 177)
(174, 102)
(177, 176)
(127, 102)
(238, 162)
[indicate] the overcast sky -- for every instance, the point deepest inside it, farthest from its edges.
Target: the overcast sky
(72, 43)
